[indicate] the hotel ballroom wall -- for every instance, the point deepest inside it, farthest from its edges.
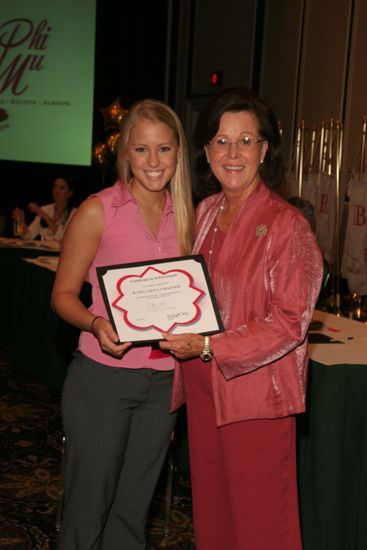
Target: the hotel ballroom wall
(305, 57)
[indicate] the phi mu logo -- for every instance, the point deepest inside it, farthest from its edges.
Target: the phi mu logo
(3, 118)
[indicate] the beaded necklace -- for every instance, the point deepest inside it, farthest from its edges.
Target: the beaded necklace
(215, 230)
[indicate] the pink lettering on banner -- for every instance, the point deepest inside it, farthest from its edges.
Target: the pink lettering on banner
(324, 202)
(15, 36)
(359, 217)
(353, 264)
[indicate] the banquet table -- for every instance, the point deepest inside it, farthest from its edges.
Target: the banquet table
(11, 253)
(39, 342)
(332, 434)
(332, 438)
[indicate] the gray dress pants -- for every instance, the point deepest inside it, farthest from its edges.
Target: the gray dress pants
(118, 428)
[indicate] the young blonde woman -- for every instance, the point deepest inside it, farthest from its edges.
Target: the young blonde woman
(115, 401)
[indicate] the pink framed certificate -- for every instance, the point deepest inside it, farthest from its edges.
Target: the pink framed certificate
(144, 299)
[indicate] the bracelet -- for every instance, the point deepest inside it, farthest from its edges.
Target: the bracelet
(94, 320)
(206, 354)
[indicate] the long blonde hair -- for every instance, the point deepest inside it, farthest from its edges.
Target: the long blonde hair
(180, 184)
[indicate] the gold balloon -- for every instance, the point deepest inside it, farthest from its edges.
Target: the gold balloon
(121, 115)
(113, 114)
(112, 142)
(100, 155)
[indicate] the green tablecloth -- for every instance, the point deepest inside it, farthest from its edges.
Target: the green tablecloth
(332, 434)
(332, 459)
(40, 342)
(11, 280)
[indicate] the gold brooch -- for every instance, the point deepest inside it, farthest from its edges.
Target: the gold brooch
(261, 230)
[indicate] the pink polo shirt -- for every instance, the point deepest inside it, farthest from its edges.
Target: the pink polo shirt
(127, 239)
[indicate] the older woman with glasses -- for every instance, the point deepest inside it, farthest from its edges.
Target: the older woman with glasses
(244, 386)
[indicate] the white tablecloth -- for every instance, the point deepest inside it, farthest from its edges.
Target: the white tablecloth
(351, 334)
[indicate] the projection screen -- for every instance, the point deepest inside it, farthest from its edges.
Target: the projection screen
(47, 80)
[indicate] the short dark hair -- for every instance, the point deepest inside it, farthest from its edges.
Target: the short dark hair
(306, 208)
(235, 100)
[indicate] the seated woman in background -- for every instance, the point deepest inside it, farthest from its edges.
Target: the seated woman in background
(52, 219)
(308, 210)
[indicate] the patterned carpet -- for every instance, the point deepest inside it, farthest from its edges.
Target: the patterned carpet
(30, 441)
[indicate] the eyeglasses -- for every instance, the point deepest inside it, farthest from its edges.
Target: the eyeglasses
(243, 144)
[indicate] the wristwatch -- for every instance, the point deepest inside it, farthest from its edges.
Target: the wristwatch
(206, 354)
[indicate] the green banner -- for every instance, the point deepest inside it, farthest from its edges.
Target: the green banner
(47, 80)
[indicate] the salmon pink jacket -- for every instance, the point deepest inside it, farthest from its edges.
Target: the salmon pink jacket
(267, 280)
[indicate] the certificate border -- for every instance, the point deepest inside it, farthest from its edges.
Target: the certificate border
(102, 270)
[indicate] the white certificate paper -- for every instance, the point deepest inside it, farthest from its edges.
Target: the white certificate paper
(173, 295)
